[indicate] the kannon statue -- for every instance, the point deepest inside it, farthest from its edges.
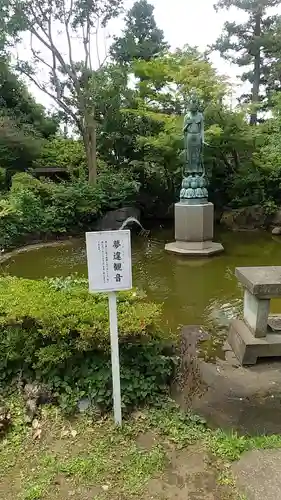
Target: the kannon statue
(194, 182)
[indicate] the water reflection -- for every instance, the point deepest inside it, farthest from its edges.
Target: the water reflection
(185, 287)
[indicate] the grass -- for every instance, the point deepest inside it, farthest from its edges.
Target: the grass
(80, 453)
(80, 458)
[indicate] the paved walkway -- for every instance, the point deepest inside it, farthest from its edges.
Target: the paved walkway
(258, 474)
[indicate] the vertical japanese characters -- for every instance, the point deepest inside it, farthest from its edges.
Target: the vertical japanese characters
(109, 260)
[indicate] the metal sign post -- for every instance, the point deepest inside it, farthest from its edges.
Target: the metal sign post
(115, 365)
(110, 270)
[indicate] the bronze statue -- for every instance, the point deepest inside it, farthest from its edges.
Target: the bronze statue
(194, 181)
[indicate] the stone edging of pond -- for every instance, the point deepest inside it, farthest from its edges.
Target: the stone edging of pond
(35, 246)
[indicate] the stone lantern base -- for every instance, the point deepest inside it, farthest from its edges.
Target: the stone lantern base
(194, 229)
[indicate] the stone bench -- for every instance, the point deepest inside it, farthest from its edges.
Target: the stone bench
(251, 337)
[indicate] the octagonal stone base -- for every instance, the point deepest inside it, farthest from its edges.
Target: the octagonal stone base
(194, 222)
(194, 225)
(194, 249)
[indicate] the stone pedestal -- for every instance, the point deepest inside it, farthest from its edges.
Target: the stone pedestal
(252, 338)
(194, 227)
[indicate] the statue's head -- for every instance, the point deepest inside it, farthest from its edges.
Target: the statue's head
(193, 104)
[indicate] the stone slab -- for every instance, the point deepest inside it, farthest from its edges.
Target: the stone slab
(264, 282)
(248, 348)
(194, 222)
(257, 474)
(192, 249)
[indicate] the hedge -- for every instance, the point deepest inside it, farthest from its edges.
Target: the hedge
(56, 332)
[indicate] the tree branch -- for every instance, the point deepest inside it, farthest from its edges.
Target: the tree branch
(66, 23)
(66, 108)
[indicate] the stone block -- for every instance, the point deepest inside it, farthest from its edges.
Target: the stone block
(194, 223)
(264, 282)
(248, 348)
(256, 313)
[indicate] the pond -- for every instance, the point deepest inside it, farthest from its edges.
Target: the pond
(186, 287)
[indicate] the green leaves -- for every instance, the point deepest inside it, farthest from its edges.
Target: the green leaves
(141, 39)
(57, 332)
(33, 207)
(255, 43)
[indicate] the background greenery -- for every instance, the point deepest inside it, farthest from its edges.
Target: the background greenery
(132, 119)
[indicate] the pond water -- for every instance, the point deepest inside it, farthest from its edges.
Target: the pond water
(186, 287)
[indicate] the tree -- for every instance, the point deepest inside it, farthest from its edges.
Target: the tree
(141, 38)
(51, 25)
(165, 83)
(24, 124)
(163, 86)
(19, 105)
(249, 44)
(19, 145)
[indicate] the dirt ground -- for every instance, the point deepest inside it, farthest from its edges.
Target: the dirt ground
(189, 475)
(83, 460)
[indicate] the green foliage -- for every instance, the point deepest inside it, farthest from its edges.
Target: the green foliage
(141, 38)
(253, 45)
(63, 153)
(56, 332)
(50, 307)
(20, 106)
(19, 145)
(68, 76)
(181, 428)
(23, 123)
(34, 208)
(230, 446)
(153, 118)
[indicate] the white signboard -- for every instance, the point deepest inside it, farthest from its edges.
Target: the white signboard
(109, 260)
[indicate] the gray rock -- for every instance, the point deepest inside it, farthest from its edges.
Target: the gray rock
(113, 220)
(84, 405)
(276, 220)
(246, 218)
(244, 399)
(276, 231)
(35, 395)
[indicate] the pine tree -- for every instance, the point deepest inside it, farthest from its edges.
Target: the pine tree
(141, 38)
(251, 44)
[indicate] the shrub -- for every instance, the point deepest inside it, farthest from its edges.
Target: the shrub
(63, 153)
(56, 332)
(36, 207)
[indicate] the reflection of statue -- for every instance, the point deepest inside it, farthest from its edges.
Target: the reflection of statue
(194, 182)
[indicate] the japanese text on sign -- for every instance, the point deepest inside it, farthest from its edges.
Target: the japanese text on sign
(109, 260)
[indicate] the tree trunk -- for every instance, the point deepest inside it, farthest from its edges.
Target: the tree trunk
(90, 143)
(257, 70)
